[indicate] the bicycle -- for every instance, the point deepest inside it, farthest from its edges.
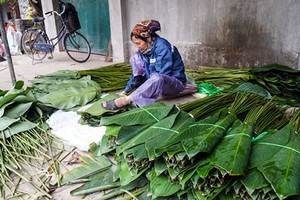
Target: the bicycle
(36, 43)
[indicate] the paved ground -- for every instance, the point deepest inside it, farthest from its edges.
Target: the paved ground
(26, 70)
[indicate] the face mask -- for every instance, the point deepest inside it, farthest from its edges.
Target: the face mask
(149, 47)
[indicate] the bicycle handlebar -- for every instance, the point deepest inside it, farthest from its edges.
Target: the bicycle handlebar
(47, 13)
(55, 12)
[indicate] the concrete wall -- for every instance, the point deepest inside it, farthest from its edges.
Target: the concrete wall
(235, 33)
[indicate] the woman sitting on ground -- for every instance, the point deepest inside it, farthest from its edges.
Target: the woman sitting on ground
(157, 68)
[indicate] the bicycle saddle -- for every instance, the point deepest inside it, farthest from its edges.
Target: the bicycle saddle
(38, 19)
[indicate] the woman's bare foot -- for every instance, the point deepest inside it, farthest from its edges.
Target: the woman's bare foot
(122, 101)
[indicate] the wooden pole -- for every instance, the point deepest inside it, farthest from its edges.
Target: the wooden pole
(6, 46)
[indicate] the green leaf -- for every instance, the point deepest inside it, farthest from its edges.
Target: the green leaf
(253, 180)
(105, 145)
(233, 152)
(126, 133)
(18, 110)
(281, 137)
(160, 166)
(8, 98)
(152, 132)
(5, 122)
(96, 109)
(253, 88)
(160, 185)
(18, 127)
(145, 115)
(283, 169)
(2, 109)
(99, 182)
(67, 98)
(206, 140)
(124, 173)
(19, 85)
(182, 121)
(91, 166)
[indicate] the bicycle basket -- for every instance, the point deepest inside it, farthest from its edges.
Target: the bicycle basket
(70, 17)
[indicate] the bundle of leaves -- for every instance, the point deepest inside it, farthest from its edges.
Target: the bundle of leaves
(128, 124)
(218, 76)
(204, 107)
(229, 160)
(67, 89)
(278, 81)
(25, 144)
(64, 90)
(198, 139)
(137, 154)
(111, 77)
(281, 81)
(274, 162)
(180, 156)
(97, 175)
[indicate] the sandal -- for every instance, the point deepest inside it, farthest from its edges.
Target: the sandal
(111, 105)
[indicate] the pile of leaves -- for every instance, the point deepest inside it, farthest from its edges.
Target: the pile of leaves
(278, 81)
(213, 156)
(65, 90)
(68, 89)
(26, 146)
(209, 148)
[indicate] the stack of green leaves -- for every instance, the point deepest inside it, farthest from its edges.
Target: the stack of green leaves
(218, 171)
(274, 159)
(279, 81)
(184, 157)
(66, 89)
(207, 106)
(229, 159)
(218, 76)
(65, 94)
(199, 138)
(139, 151)
(131, 137)
(25, 144)
(111, 77)
(274, 162)
(97, 175)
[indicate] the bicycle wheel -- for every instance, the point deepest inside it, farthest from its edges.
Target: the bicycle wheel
(77, 47)
(28, 39)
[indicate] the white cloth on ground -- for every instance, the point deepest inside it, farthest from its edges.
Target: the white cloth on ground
(65, 126)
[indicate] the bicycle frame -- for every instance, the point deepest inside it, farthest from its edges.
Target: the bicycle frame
(39, 44)
(62, 32)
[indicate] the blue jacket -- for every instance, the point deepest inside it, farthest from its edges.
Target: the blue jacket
(164, 58)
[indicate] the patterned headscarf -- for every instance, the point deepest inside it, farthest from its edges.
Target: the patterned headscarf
(146, 28)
